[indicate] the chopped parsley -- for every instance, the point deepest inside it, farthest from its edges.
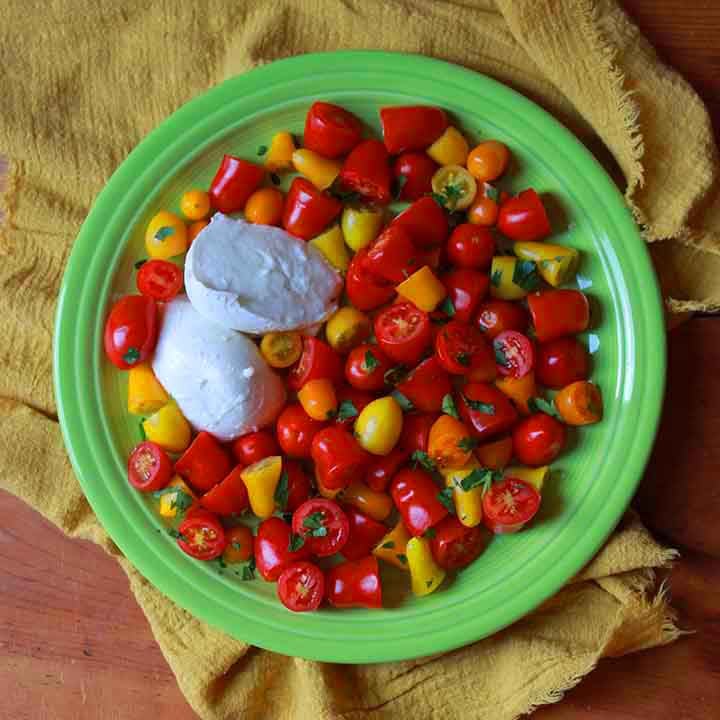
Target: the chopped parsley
(315, 523)
(526, 275)
(262, 150)
(282, 490)
(448, 406)
(500, 357)
(402, 401)
(496, 278)
(445, 497)
(429, 533)
(467, 444)
(248, 572)
(423, 460)
(370, 362)
(402, 558)
(538, 404)
(275, 178)
(399, 184)
(164, 232)
(491, 192)
(180, 500)
(140, 263)
(447, 307)
(142, 430)
(389, 545)
(131, 356)
(396, 375)
(487, 408)
(480, 477)
(464, 358)
(296, 542)
(429, 583)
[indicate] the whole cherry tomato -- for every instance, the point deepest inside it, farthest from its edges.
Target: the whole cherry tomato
(538, 439)
(295, 431)
(508, 505)
(416, 431)
(323, 525)
(488, 160)
(455, 546)
(351, 402)
(496, 316)
(426, 222)
(201, 535)
(239, 546)
(331, 130)
(354, 583)
(301, 586)
(366, 366)
(234, 182)
(299, 485)
(486, 410)
(556, 313)
(462, 349)
(255, 446)
(159, 279)
(272, 548)
(229, 496)
(403, 332)
(523, 217)
(426, 385)
(495, 454)
(365, 534)
(471, 246)
(308, 211)
(514, 353)
(415, 495)
(392, 257)
(131, 331)
(366, 170)
(561, 362)
(413, 127)
(338, 457)
(149, 467)
(205, 463)
(364, 290)
(265, 207)
(317, 362)
(384, 468)
(417, 168)
(466, 290)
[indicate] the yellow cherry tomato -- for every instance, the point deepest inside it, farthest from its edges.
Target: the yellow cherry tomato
(331, 244)
(318, 399)
(455, 186)
(451, 148)
(467, 495)
(239, 544)
(347, 328)
(378, 425)
(168, 428)
(279, 156)
(580, 403)
(194, 229)
(488, 160)
(360, 226)
(265, 207)
(166, 236)
(145, 393)
(319, 170)
(519, 390)
(425, 574)
(535, 476)
(375, 504)
(502, 272)
(261, 479)
(450, 443)
(195, 204)
(556, 264)
(176, 494)
(393, 547)
(423, 289)
(281, 349)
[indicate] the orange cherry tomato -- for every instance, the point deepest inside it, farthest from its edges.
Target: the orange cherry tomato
(195, 204)
(265, 207)
(495, 455)
(194, 230)
(318, 399)
(580, 403)
(488, 160)
(483, 211)
(239, 544)
(450, 443)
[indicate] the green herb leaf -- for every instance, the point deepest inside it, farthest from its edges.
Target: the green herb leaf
(370, 362)
(448, 406)
(236, 546)
(452, 194)
(447, 307)
(402, 558)
(173, 533)
(331, 414)
(399, 184)
(487, 408)
(296, 542)
(439, 319)
(131, 356)
(180, 500)
(423, 460)
(441, 200)
(402, 401)
(346, 410)
(496, 278)
(500, 357)
(463, 358)
(445, 497)
(491, 192)
(538, 404)
(389, 545)
(275, 179)
(478, 477)
(262, 150)
(429, 533)
(248, 572)
(428, 583)
(396, 375)
(164, 232)
(140, 263)
(526, 275)
(346, 196)
(314, 520)
(222, 563)
(282, 490)
(467, 444)
(142, 430)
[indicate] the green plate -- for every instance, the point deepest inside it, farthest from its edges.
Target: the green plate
(596, 478)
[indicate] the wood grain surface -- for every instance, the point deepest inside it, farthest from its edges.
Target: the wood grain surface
(75, 646)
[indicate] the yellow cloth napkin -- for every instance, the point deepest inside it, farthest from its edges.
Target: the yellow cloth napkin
(83, 81)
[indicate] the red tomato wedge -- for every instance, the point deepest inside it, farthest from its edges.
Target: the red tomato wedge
(318, 361)
(205, 463)
(466, 289)
(365, 534)
(272, 548)
(392, 257)
(229, 496)
(426, 385)
(412, 127)
(234, 182)
(415, 495)
(338, 457)
(462, 349)
(523, 217)
(354, 583)
(426, 222)
(556, 313)
(384, 468)
(455, 546)
(486, 410)
(496, 316)
(296, 431)
(415, 171)
(364, 290)
(308, 211)
(255, 446)
(331, 130)
(471, 246)
(366, 170)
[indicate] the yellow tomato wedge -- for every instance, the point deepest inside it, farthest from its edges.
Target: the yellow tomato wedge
(451, 148)
(319, 170)
(425, 574)
(168, 428)
(261, 479)
(279, 156)
(145, 393)
(331, 244)
(393, 547)
(423, 289)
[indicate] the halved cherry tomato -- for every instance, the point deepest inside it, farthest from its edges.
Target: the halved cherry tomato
(131, 331)
(354, 583)
(462, 349)
(426, 222)
(234, 182)
(295, 431)
(265, 207)
(580, 403)
(455, 187)
(384, 468)
(351, 402)
(201, 535)
(159, 279)
(416, 430)
(466, 289)
(299, 485)
(415, 495)
(417, 169)
(538, 440)
(317, 362)
(449, 443)
(272, 548)
(149, 467)
(523, 217)
(471, 246)
(496, 316)
(366, 170)
(338, 457)
(301, 587)
(254, 446)
(509, 504)
(561, 362)
(486, 410)
(426, 385)
(331, 130)
(413, 127)
(239, 546)
(495, 454)
(488, 160)
(308, 211)
(366, 366)
(392, 257)
(365, 534)
(323, 525)
(556, 313)
(364, 290)
(455, 546)
(229, 496)
(514, 353)
(403, 332)
(281, 349)
(205, 463)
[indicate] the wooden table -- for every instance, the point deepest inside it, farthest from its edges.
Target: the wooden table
(75, 646)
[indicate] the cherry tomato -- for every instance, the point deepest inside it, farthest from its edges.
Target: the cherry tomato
(426, 385)
(317, 362)
(495, 454)
(229, 496)
(255, 446)
(272, 548)
(426, 222)
(364, 290)
(488, 160)
(413, 127)
(471, 246)
(354, 583)
(299, 485)
(195, 204)
(239, 546)
(455, 546)
(295, 431)
(486, 410)
(392, 257)
(131, 331)
(508, 505)
(483, 211)
(496, 316)
(149, 467)
(556, 313)
(415, 495)
(514, 354)
(265, 207)
(234, 182)
(366, 366)
(580, 403)
(205, 463)
(417, 168)
(466, 289)
(202, 536)
(331, 130)
(348, 396)
(462, 349)
(301, 587)
(365, 534)
(384, 468)
(366, 170)
(281, 349)
(323, 525)
(308, 211)
(159, 279)
(538, 439)
(338, 457)
(523, 217)
(403, 332)
(194, 229)
(561, 362)
(416, 431)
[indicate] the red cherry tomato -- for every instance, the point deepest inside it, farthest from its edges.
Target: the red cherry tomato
(308, 211)
(365, 534)
(538, 439)
(392, 257)
(149, 467)
(323, 525)
(234, 182)
(159, 279)
(295, 431)
(562, 362)
(255, 446)
(508, 505)
(417, 168)
(523, 217)
(354, 583)
(426, 386)
(415, 495)
(514, 354)
(366, 170)
(299, 485)
(364, 290)
(426, 222)
(301, 587)
(413, 127)
(556, 313)
(403, 332)
(338, 457)
(466, 289)
(471, 246)
(496, 316)
(358, 398)
(229, 496)
(486, 410)
(416, 430)
(331, 130)
(201, 535)
(131, 331)
(456, 546)
(384, 468)
(272, 548)
(317, 362)
(366, 366)
(205, 463)
(462, 349)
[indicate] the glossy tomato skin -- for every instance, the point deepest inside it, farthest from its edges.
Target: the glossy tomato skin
(384, 468)
(426, 385)
(205, 463)
(523, 217)
(359, 399)
(229, 496)
(354, 583)
(456, 546)
(365, 534)
(234, 182)
(392, 257)
(538, 440)
(321, 513)
(299, 485)
(415, 495)
(509, 505)
(364, 375)
(403, 332)
(365, 290)
(417, 168)
(514, 354)
(462, 349)
(201, 535)
(131, 331)
(331, 130)
(416, 431)
(561, 362)
(412, 127)
(296, 431)
(317, 362)
(366, 170)
(496, 316)
(338, 457)
(557, 313)
(426, 222)
(149, 467)
(255, 446)
(466, 289)
(308, 211)
(159, 279)
(271, 548)
(483, 425)
(471, 246)
(301, 586)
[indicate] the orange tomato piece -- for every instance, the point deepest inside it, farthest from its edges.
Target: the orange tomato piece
(495, 455)
(265, 207)
(450, 443)
(239, 544)
(580, 403)
(318, 399)
(519, 390)
(488, 160)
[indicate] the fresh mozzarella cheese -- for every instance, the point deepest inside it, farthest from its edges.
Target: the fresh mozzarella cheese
(216, 375)
(258, 279)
